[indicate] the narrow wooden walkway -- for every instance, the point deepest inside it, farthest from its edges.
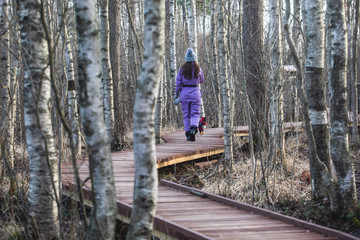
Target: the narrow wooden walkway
(187, 213)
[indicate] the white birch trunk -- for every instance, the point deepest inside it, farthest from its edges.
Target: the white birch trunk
(185, 22)
(315, 85)
(43, 163)
(102, 222)
(145, 189)
(191, 10)
(338, 112)
(115, 57)
(215, 68)
(159, 110)
(226, 101)
(72, 96)
(172, 40)
(323, 185)
(354, 78)
(106, 69)
(276, 82)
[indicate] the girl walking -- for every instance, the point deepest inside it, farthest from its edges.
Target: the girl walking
(188, 79)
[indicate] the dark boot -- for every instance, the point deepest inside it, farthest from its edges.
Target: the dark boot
(193, 131)
(187, 134)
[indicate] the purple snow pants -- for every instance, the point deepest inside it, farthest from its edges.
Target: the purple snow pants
(190, 104)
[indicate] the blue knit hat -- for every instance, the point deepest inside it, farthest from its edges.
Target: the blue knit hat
(190, 55)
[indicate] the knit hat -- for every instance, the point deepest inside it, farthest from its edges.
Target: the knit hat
(190, 55)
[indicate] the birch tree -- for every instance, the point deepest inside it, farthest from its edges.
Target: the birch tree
(102, 222)
(215, 71)
(226, 101)
(172, 38)
(315, 83)
(354, 76)
(276, 81)
(191, 10)
(72, 96)
(323, 186)
(43, 163)
(338, 112)
(106, 69)
(115, 59)
(145, 189)
(159, 110)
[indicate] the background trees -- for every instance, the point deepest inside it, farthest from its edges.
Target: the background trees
(238, 42)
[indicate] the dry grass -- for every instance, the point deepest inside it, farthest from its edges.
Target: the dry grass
(280, 181)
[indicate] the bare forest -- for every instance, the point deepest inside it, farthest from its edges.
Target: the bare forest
(85, 78)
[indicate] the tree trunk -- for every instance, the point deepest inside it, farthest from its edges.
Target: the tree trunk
(8, 86)
(354, 82)
(145, 189)
(159, 109)
(326, 187)
(338, 112)
(315, 85)
(106, 69)
(215, 69)
(115, 58)
(191, 7)
(102, 222)
(72, 96)
(276, 83)
(226, 100)
(253, 44)
(185, 22)
(132, 58)
(43, 163)
(172, 38)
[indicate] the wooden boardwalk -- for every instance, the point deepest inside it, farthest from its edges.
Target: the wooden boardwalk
(187, 213)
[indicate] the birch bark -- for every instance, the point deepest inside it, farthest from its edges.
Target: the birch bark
(226, 101)
(185, 21)
(354, 76)
(276, 82)
(72, 96)
(323, 185)
(102, 222)
(106, 69)
(315, 82)
(191, 7)
(159, 110)
(338, 111)
(145, 189)
(215, 68)
(115, 58)
(172, 38)
(43, 163)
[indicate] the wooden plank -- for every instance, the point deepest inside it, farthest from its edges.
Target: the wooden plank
(284, 218)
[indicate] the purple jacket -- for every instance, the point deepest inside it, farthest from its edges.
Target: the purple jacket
(189, 93)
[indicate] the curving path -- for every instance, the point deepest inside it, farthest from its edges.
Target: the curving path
(187, 213)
